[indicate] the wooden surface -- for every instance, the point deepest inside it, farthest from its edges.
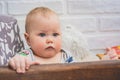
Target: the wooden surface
(98, 70)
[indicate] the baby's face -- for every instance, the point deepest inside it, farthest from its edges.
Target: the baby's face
(45, 36)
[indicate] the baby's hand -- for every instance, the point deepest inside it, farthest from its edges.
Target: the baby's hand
(21, 63)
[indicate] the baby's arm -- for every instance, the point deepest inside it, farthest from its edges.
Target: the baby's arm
(21, 63)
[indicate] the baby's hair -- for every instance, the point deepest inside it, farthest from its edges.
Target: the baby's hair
(43, 11)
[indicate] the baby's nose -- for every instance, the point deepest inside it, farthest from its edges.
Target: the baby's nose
(49, 40)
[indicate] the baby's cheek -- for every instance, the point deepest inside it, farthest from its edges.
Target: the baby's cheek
(58, 46)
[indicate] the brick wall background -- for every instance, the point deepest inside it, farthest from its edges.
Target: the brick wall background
(98, 20)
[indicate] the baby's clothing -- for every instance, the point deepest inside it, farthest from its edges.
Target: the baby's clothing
(66, 56)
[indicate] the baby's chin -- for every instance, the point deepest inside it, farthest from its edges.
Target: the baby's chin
(48, 55)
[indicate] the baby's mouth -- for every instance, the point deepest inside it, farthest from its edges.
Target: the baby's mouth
(50, 48)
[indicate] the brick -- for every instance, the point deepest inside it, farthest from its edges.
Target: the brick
(21, 23)
(0, 7)
(110, 23)
(21, 8)
(103, 41)
(82, 24)
(93, 6)
(17, 8)
(56, 5)
(98, 51)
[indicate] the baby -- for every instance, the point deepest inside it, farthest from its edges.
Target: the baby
(43, 35)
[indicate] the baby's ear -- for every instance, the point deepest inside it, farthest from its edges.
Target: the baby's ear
(27, 38)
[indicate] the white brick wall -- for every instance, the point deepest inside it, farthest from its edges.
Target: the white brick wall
(99, 20)
(1, 7)
(110, 23)
(93, 6)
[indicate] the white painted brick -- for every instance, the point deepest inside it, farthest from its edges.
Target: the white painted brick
(25, 7)
(102, 41)
(82, 24)
(17, 8)
(98, 51)
(55, 5)
(0, 7)
(21, 24)
(110, 23)
(93, 6)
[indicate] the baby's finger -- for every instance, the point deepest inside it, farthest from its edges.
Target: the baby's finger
(30, 63)
(18, 67)
(22, 65)
(27, 63)
(12, 64)
(18, 70)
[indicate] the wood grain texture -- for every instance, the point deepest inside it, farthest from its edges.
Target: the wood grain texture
(97, 70)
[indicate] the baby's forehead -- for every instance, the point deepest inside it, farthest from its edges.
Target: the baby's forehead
(44, 21)
(47, 15)
(49, 30)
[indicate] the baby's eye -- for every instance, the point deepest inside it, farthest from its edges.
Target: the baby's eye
(42, 34)
(55, 34)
